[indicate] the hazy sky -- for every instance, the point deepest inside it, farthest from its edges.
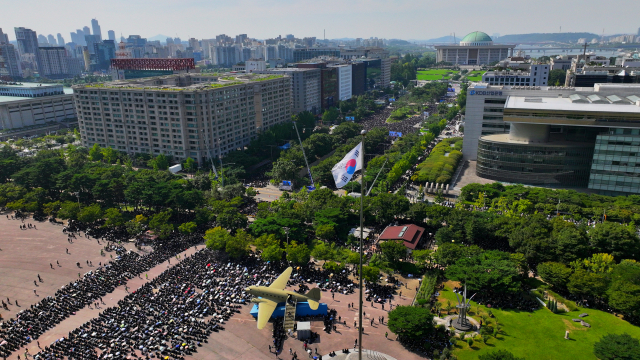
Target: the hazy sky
(403, 19)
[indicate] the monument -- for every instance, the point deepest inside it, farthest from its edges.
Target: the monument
(461, 322)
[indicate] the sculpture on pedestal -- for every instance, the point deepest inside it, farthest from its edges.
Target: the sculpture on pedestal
(461, 322)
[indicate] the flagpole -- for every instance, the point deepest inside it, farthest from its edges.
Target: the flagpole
(363, 133)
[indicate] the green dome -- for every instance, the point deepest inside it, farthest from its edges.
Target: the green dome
(476, 36)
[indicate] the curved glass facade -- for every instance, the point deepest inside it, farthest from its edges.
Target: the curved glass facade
(553, 164)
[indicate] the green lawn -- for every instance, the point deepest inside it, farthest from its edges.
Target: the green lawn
(435, 74)
(475, 75)
(540, 334)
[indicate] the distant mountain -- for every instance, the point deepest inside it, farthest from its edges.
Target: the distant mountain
(161, 38)
(398, 42)
(545, 37)
(441, 40)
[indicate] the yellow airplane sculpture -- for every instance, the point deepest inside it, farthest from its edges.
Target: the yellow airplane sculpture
(275, 293)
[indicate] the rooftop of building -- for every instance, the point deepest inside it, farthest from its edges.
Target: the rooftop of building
(577, 103)
(410, 234)
(476, 36)
(171, 82)
(26, 85)
(506, 139)
(7, 99)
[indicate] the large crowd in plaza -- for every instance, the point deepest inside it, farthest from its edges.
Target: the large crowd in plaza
(170, 315)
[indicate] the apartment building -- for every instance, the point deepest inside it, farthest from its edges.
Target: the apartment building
(186, 115)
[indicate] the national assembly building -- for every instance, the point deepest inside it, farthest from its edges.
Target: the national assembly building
(477, 48)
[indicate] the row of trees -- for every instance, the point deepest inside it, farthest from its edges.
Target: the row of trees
(570, 203)
(441, 163)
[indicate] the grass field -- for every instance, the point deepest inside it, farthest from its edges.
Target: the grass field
(475, 75)
(435, 74)
(540, 334)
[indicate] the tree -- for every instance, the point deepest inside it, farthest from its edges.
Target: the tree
(238, 246)
(217, 238)
(69, 210)
(323, 251)
(95, 154)
(232, 219)
(330, 115)
(414, 323)
(617, 346)
(298, 254)
(586, 284)
(491, 270)
(160, 162)
(423, 258)
(386, 207)
(272, 253)
(624, 292)
(188, 227)
(557, 77)
(160, 225)
(90, 214)
(371, 274)
(283, 170)
(326, 232)
(499, 355)
(615, 239)
(190, 165)
(393, 250)
(555, 274)
(109, 155)
(113, 217)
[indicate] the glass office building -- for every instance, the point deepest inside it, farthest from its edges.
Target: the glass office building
(616, 163)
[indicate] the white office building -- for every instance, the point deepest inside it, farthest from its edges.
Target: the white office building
(345, 84)
(538, 75)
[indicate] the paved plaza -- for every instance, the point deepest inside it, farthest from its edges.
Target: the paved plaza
(26, 254)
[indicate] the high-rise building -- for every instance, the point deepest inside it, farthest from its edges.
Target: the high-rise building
(177, 40)
(104, 51)
(80, 36)
(228, 115)
(112, 35)
(9, 60)
(169, 41)
(91, 40)
(28, 43)
(240, 39)
(52, 40)
(224, 55)
(345, 75)
(194, 44)
(305, 88)
(96, 29)
(3, 37)
(54, 62)
(86, 30)
(60, 40)
(42, 39)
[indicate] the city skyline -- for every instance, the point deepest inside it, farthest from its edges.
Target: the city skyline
(261, 20)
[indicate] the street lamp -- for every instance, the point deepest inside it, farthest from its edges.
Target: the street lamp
(286, 231)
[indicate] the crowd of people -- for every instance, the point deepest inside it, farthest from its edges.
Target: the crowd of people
(30, 323)
(170, 315)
